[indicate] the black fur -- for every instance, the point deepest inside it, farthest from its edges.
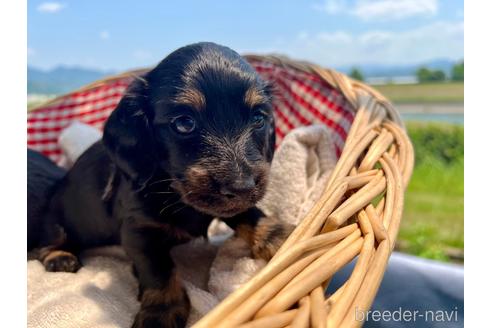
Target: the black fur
(42, 176)
(150, 187)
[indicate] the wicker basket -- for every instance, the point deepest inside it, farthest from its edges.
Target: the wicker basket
(358, 214)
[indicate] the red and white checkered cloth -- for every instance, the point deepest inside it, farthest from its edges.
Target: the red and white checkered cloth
(302, 99)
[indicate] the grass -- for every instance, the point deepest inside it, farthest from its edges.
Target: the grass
(432, 224)
(446, 92)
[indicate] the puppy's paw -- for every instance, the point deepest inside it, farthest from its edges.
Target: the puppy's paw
(61, 261)
(172, 314)
(269, 235)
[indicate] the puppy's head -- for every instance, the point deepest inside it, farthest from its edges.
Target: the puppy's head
(204, 117)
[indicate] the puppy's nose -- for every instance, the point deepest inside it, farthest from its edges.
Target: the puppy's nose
(238, 188)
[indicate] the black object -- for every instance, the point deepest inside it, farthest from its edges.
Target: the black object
(42, 176)
(415, 292)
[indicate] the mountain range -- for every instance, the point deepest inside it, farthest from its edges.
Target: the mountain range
(63, 79)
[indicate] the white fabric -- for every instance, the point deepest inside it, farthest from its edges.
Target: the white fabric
(103, 292)
(75, 139)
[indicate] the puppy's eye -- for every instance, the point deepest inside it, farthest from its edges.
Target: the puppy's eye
(183, 124)
(259, 120)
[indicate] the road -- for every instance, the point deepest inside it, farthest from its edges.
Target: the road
(451, 108)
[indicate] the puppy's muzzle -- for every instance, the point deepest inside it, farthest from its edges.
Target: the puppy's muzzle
(239, 188)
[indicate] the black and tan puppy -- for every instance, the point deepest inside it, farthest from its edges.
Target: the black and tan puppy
(191, 140)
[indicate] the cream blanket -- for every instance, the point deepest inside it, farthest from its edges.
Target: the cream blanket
(103, 292)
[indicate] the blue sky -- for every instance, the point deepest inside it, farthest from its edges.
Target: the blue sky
(123, 34)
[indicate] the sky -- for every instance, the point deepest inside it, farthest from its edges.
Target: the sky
(118, 35)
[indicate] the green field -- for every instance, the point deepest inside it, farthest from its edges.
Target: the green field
(445, 92)
(432, 224)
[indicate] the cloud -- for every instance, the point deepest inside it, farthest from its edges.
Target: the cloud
(394, 9)
(376, 37)
(104, 35)
(51, 7)
(341, 48)
(370, 10)
(30, 52)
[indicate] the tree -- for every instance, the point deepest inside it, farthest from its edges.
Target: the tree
(356, 74)
(458, 72)
(426, 75)
(423, 75)
(438, 76)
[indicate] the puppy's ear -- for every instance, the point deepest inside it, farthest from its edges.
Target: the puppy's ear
(270, 91)
(128, 135)
(271, 140)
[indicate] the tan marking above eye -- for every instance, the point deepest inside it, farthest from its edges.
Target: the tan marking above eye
(254, 97)
(190, 97)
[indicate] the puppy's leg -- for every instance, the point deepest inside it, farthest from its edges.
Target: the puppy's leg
(164, 302)
(265, 234)
(55, 255)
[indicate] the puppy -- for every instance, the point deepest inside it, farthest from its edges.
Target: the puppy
(189, 141)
